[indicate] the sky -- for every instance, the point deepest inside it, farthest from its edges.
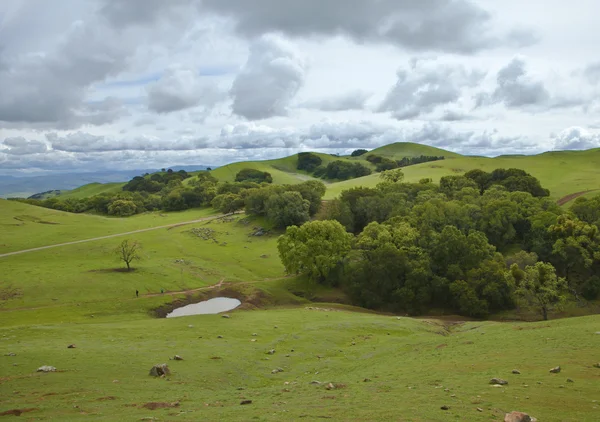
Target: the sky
(90, 85)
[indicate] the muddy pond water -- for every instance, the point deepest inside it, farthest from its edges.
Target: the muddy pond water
(211, 306)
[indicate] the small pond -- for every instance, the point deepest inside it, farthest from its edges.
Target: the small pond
(212, 306)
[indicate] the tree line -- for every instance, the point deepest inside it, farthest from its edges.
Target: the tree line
(472, 248)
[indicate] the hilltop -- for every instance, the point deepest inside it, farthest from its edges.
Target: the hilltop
(566, 174)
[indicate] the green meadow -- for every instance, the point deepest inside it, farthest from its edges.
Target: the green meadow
(332, 361)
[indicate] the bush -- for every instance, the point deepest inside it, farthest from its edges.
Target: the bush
(358, 152)
(252, 175)
(308, 161)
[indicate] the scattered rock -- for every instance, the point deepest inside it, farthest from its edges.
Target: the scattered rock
(518, 417)
(253, 340)
(498, 381)
(243, 402)
(555, 370)
(264, 256)
(46, 368)
(444, 407)
(177, 357)
(596, 365)
(10, 354)
(330, 386)
(225, 316)
(254, 334)
(160, 370)
(277, 370)
(259, 231)
(219, 336)
(241, 388)
(367, 380)
(71, 346)
(276, 326)
(516, 372)
(271, 352)
(315, 382)
(570, 380)
(479, 409)
(190, 326)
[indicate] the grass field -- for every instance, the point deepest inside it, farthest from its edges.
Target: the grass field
(381, 367)
(92, 189)
(25, 226)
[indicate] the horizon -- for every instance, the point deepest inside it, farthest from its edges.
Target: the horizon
(100, 86)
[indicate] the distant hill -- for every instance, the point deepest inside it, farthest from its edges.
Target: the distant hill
(23, 187)
(567, 174)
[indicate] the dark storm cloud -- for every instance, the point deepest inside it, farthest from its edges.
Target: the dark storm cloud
(442, 25)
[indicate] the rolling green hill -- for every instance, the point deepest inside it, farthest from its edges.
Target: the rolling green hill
(91, 189)
(562, 172)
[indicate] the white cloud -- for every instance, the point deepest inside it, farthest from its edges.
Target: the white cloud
(269, 81)
(181, 88)
(576, 138)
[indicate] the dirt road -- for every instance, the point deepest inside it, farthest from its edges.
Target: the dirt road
(168, 226)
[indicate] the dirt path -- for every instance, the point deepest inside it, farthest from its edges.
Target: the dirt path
(566, 199)
(75, 242)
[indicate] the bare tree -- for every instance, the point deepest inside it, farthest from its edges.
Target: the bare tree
(128, 252)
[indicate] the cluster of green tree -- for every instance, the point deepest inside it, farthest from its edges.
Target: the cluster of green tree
(283, 205)
(416, 247)
(384, 163)
(156, 182)
(358, 152)
(335, 170)
(252, 175)
(515, 180)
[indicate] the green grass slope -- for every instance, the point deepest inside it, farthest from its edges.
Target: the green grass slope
(380, 368)
(399, 150)
(563, 172)
(26, 226)
(92, 189)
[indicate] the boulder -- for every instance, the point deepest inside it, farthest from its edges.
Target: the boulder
(160, 370)
(555, 370)
(71, 346)
(596, 365)
(243, 402)
(177, 357)
(445, 407)
(516, 372)
(330, 386)
(225, 316)
(271, 352)
(570, 380)
(46, 368)
(498, 381)
(517, 417)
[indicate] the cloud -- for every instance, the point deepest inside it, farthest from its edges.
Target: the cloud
(50, 87)
(179, 89)
(426, 85)
(458, 26)
(21, 146)
(592, 73)
(515, 88)
(269, 80)
(353, 100)
(83, 142)
(576, 138)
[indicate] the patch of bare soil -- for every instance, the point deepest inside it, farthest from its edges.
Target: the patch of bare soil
(16, 412)
(160, 405)
(566, 199)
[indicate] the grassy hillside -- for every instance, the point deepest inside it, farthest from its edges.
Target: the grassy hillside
(564, 172)
(399, 150)
(381, 367)
(92, 189)
(26, 226)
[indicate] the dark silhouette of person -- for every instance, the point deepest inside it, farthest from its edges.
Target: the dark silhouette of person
(137, 294)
